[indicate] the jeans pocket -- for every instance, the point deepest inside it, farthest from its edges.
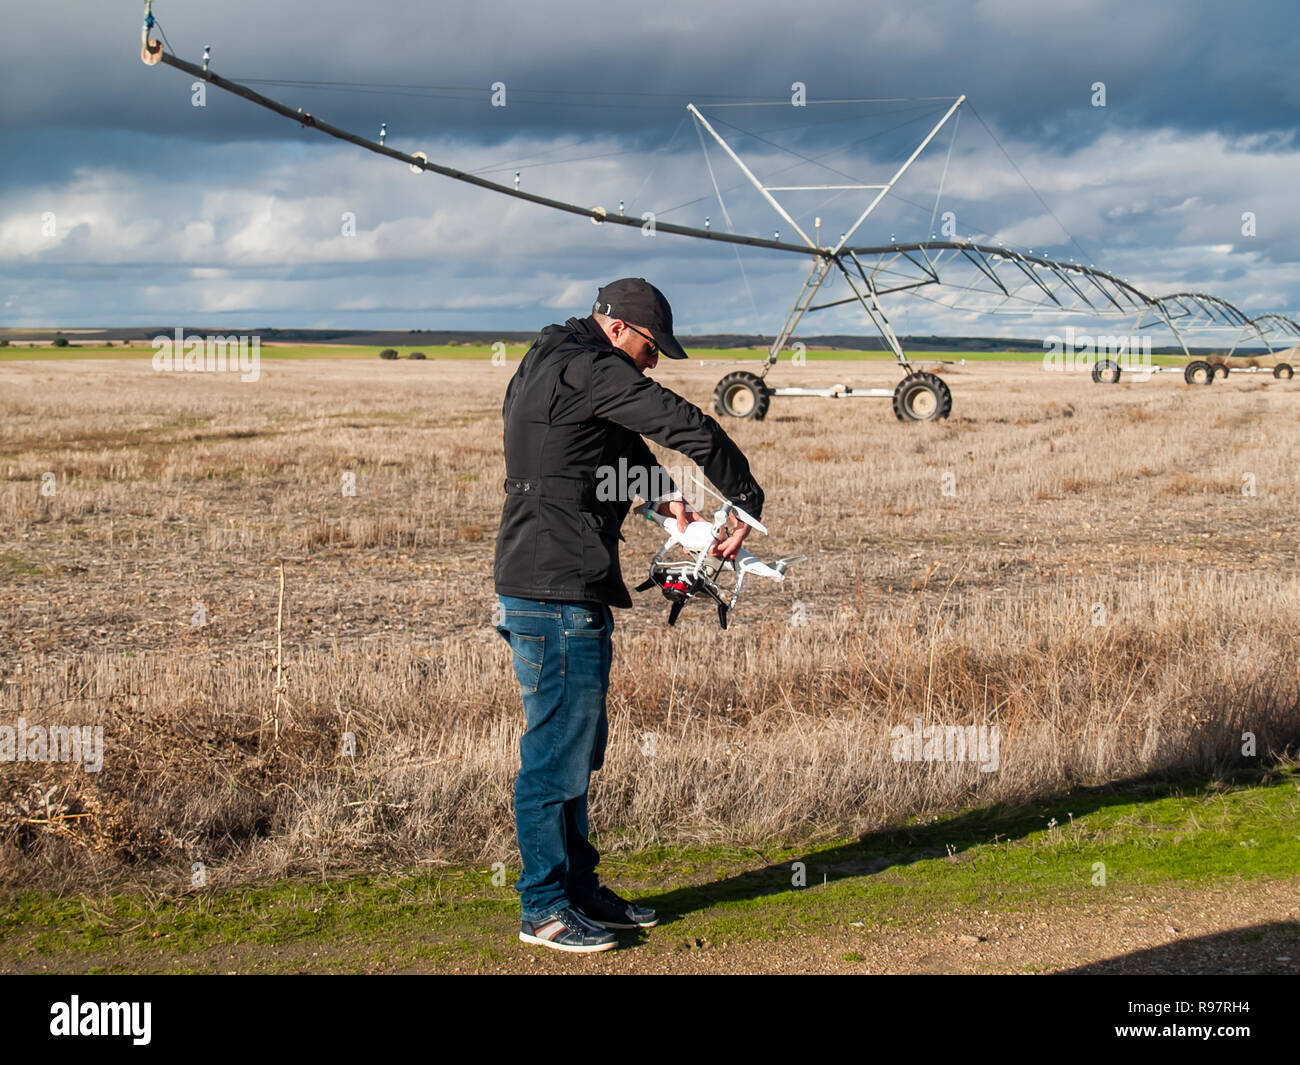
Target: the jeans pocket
(529, 653)
(586, 620)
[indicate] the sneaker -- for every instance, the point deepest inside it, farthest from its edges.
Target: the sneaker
(609, 911)
(567, 930)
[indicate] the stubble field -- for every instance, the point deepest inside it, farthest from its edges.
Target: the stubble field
(1107, 574)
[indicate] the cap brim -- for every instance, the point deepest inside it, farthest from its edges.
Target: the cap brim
(668, 345)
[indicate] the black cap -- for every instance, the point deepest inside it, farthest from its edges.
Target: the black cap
(635, 301)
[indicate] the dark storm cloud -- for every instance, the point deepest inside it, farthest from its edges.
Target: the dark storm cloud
(629, 68)
(120, 200)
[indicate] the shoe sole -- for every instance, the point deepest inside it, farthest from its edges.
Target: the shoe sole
(526, 938)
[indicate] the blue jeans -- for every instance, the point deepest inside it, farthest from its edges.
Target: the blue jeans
(562, 653)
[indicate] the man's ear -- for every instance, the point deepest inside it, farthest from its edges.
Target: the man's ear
(608, 329)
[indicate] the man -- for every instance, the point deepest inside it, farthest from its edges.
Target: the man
(578, 404)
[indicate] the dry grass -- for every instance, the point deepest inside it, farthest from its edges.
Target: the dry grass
(1099, 586)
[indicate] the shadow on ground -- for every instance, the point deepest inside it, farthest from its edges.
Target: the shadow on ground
(1261, 948)
(876, 852)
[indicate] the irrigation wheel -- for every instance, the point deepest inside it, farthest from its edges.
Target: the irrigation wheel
(922, 397)
(742, 395)
(1199, 372)
(1106, 372)
(1283, 371)
(1220, 369)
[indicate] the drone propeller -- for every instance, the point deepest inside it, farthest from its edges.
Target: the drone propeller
(741, 514)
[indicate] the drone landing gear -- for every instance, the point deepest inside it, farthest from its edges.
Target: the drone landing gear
(678, 590)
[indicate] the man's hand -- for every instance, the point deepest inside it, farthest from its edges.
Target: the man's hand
(726, 547)
(730, 545)
(682, 510)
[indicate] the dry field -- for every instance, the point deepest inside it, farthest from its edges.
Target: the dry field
(1111, 580)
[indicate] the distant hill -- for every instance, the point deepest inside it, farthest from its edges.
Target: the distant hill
(380, 338)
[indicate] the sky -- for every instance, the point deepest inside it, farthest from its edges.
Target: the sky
(123, 201)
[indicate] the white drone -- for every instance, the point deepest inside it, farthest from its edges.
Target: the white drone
(681, 581)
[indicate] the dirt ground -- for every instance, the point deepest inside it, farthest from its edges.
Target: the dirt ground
(1227, 929)
(1248, 928)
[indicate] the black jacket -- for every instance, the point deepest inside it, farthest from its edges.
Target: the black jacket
(575, 405)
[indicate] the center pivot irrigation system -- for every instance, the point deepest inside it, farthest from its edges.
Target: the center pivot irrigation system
(971, 277)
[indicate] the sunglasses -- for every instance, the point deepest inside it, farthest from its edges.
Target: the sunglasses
(654, 344)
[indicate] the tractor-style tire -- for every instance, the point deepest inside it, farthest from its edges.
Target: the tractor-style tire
(1106, 372)
(1220, 369)
(742, 395)
(1199, 372)
(1283, 371)
(922, 397)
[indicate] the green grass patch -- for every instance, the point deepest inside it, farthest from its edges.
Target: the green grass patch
(12, 565)
(1027, 858)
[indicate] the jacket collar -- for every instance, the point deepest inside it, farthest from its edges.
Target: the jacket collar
(586, 329)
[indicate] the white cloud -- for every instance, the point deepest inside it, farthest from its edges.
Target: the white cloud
(265, 238)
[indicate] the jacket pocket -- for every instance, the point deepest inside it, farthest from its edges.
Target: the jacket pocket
(603, 523)
(600, 538)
